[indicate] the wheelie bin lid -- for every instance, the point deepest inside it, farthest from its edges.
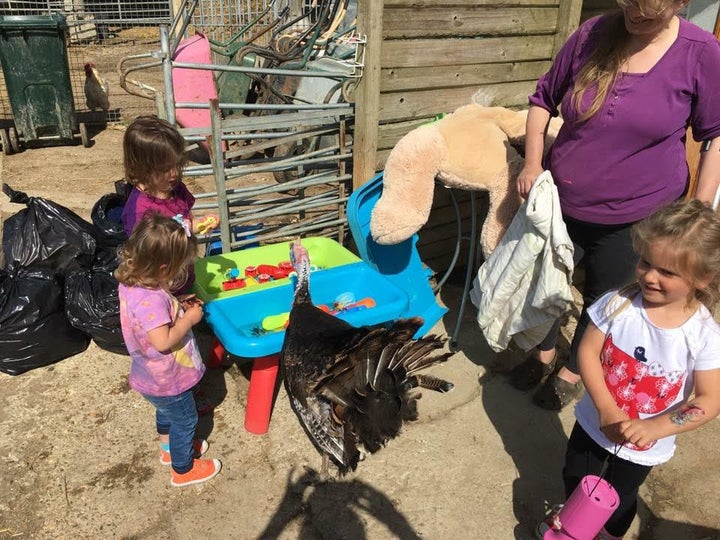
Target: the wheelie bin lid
(22, 22)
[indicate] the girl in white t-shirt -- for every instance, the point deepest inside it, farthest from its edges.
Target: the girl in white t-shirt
(650, 359)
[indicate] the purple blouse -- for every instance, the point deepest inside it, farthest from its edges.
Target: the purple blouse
(629, 158)
(139, 203)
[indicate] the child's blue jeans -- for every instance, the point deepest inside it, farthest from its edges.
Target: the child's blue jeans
(177, 416)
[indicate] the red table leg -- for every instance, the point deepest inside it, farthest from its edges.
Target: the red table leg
(260, 393)
(217, 353)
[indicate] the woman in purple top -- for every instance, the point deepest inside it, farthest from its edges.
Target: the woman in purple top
(154, 156)
(628, 84)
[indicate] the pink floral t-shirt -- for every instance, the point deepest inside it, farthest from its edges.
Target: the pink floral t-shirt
(153, 372)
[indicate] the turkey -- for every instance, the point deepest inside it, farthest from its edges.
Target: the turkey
(352, 387)
(96, 89)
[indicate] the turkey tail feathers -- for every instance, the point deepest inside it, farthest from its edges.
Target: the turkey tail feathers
(388, 401)
(433, 383)
(381, 366)
(353, 388)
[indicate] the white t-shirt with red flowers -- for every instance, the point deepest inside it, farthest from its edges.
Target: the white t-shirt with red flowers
(647, 369)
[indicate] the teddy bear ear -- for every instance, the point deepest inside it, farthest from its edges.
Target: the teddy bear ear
(408, 184)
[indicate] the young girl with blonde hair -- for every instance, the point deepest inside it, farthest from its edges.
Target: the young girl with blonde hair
(650, 357)
(157, 329)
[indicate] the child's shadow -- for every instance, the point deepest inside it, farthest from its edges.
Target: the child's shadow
(535, 440)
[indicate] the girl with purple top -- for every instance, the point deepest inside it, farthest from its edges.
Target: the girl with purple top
(154, 156)
(157, 329)
(628, 84)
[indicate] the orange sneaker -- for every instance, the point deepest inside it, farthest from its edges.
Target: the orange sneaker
(199, 445)
(203, 470)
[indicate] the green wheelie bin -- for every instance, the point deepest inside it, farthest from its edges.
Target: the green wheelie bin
(33, 54)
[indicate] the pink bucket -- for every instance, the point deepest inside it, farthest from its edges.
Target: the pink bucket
(586, 511)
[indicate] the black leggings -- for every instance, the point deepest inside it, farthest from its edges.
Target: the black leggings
(584, 456)
(609, 261)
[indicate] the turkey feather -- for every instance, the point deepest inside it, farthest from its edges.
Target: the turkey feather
(352, 388)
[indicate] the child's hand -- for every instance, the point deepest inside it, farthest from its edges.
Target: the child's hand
(611, 420)
(207, 223)
(639, 432)
(194, 313)
(189, 300)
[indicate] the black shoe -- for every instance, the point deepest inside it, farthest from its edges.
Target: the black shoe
(530, 373)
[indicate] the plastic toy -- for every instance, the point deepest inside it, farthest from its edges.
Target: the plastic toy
(207, 223)
(189, 301)
(276, 272)
(231, 284)
(233, 280)
(273, 323)
(586, 510)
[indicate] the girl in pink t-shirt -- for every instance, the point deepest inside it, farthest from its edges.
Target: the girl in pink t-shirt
(157, 329)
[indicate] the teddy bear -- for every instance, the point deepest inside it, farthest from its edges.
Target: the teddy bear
(473, 148)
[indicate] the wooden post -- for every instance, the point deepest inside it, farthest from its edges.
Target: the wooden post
(692, 147)
(367, 93)
(568, 20)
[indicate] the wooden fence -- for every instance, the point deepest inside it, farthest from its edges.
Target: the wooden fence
(425, 57)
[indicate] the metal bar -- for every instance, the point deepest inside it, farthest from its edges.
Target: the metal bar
(300, 183)
(219, 173)
(279, 165)
(348, 109)
(468, 272)
(167, 75)
(261, 71)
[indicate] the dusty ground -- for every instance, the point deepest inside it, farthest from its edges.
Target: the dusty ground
(79, 460)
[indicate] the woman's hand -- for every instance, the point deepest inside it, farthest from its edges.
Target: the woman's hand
(526, 179)
(612, 419)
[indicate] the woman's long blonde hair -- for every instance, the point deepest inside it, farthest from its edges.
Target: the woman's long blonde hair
(605, 63)
(156, 255)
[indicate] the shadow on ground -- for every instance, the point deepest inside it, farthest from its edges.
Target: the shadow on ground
(334, 510)
(536, 439)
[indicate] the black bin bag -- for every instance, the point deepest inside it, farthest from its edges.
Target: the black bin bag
(46, 234)
(92, 304)
(106, 216)
(34, 331)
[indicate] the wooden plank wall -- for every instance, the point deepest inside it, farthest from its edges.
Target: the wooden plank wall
(435, 56)
(591, 8)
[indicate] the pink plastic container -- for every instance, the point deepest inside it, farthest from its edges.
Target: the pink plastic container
(586, 511)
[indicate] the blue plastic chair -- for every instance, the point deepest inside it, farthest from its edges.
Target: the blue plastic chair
(400, 263)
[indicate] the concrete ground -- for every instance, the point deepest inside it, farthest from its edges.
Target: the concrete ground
(79, 458)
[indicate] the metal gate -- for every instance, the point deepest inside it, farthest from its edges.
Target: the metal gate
(104, 31)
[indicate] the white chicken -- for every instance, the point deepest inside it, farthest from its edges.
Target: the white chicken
(96, 89)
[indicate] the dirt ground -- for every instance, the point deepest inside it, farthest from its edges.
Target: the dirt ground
(79, 458)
